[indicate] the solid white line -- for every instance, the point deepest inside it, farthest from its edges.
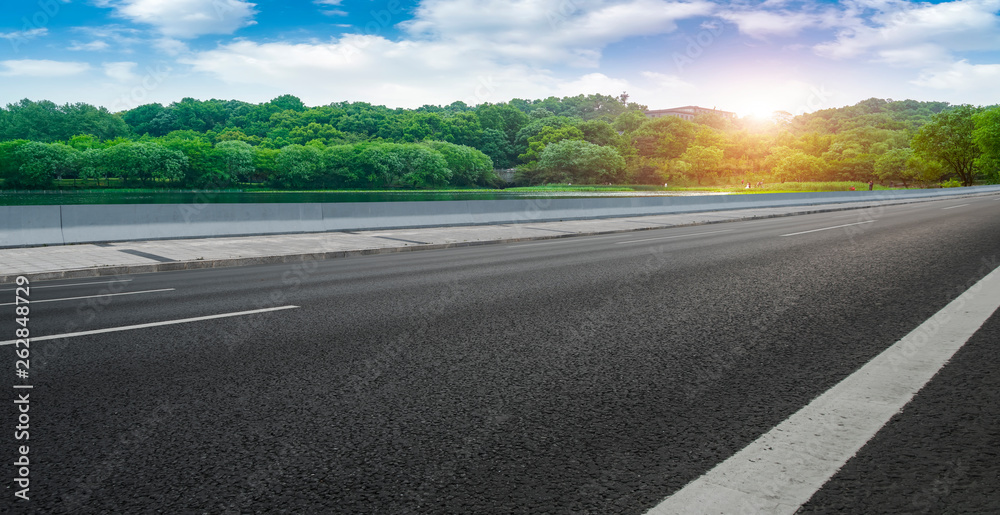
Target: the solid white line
(93, 296)
(781, 470)
(76, 284)
(152, 324)
(672, 237)
(828, 228)
(953, 207)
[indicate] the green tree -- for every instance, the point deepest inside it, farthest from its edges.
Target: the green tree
(927, 171)
(599, 132)
(498, 148)
(204, 166)
(85, 142)
(341, 167)
(10, 161)
(325, 133)
(892, 166)
(705, 162)
(152, 119)
(141, 161)
(948, 138)
(468, 166)
(47, 122)
(297, 166)
(421, 166)
(40, 164)
(574, 160)
(265, 164)
(789, 164)
(548, 135)
(986, 136)
(377, 164)
(630, 121)
(502, 117)
(665, 137)
(94, 166)
(288, 103)
(462, 128)
(237, 159)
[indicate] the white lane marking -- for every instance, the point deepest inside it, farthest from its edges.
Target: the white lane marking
(93, 296)
(33, 287)
(781, 470)
(828, 228)
(953, 207)
(545, 242)
(152, 324)
(672, 237)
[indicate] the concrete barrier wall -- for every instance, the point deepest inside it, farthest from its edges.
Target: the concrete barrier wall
(55, 225)
(21, 226)
(123, 222)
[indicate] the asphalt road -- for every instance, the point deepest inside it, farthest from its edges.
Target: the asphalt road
(581, 375)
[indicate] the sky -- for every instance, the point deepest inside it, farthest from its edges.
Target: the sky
(751, 57)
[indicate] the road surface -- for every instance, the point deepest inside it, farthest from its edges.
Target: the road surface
(581, 375)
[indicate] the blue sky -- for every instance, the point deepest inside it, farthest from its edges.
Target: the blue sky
(748, 56)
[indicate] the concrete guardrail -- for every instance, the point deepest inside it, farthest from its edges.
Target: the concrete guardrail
(57, 225)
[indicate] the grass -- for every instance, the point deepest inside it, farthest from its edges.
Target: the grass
(802, 187)
(787, 187)
(581, 187)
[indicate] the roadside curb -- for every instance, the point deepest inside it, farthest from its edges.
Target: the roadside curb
(106, 271)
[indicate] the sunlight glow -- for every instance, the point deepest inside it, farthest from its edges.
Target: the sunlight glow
(760, 99)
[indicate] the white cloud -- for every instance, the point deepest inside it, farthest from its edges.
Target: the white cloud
(397, 74)
(669, 84)
(121, 71)
(24, 34)
(331, 3)
(355, 67)
(916, 55)
(953, 26)
(188, 18)
(761, 24)
(470, 50)
(593, 83)
(93, 46)
(544, 31)
(41, 68)
(171, 46)
(963, 76)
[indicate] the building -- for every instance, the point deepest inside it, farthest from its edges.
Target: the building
(688, 112)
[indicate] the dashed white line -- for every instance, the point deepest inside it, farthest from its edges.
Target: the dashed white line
(781, 470)
(93, 296)
(828, 228)
(543, 242)
(152, 324)
(672, 237)
(953, 207)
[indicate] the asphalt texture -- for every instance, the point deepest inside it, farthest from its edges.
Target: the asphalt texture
(941, 454)
(581, 375)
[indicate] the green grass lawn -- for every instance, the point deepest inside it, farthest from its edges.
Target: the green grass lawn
(800, 187)
(782, 187)
(91, 186)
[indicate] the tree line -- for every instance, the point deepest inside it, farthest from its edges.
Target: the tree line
(591, 139)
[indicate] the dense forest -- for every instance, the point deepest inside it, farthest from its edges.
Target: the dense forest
(595, 139)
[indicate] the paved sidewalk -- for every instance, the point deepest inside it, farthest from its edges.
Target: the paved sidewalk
(133, 257)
